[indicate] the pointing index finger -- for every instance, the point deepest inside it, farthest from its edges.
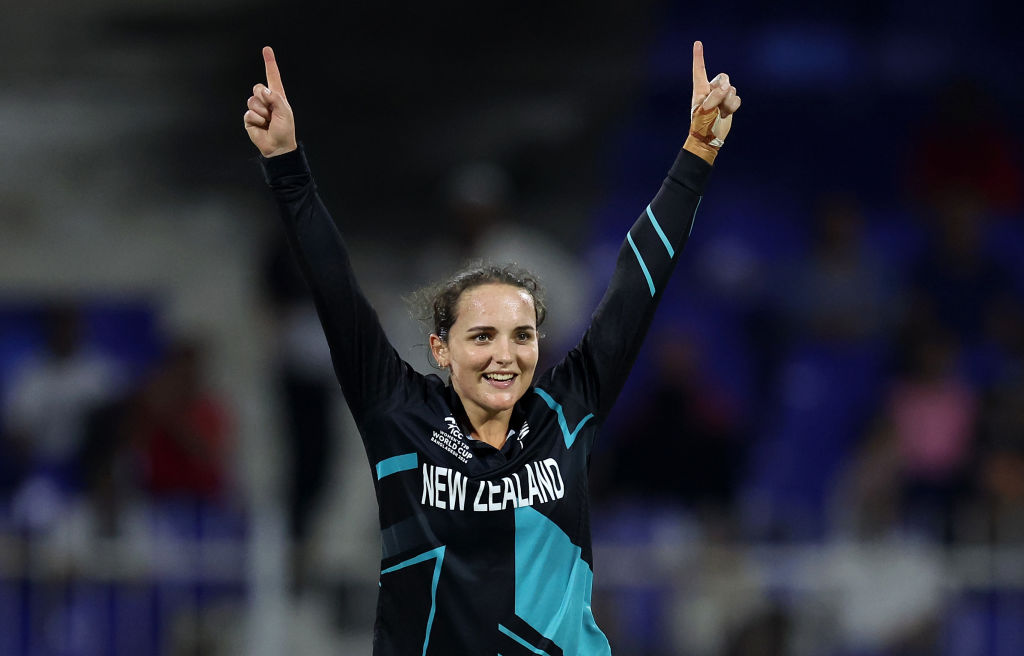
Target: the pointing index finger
(273, 74)
(700, 74)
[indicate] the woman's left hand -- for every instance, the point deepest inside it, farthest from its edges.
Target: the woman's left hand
(712, 105)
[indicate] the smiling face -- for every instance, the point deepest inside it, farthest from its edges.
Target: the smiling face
(491, 350)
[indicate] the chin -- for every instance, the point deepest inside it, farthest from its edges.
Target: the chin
(503, 403)
(506, 400)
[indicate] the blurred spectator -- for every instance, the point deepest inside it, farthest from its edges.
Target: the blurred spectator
(12, 468)
(183, 430)
(997, 515)
(768, 633)
(688, 421)
(106, 528)
(46, 409)
(839, 292)
(915, 464)
(957, 278)
(891, 594)
(305, 382)
(481, 223)
(999, 358)
(967, 149)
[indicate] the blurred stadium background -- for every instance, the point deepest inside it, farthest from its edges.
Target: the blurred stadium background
(820, 452)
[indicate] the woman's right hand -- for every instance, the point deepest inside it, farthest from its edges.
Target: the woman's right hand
(269, 119)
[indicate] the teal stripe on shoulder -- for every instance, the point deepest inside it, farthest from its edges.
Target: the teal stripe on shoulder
(694, 219)
(643, 265)
(396, 464)
(661, 233)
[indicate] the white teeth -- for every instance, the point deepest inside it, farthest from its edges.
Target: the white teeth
(498, 376)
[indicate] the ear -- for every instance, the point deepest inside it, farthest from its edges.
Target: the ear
(439, 349)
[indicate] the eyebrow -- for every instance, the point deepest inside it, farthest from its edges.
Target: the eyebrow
(484, 328)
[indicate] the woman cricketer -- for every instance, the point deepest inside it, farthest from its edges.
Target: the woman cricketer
(481, 475)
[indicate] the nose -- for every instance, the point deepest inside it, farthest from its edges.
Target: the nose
(503, 351)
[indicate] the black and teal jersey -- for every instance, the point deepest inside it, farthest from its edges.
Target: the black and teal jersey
(485, 551)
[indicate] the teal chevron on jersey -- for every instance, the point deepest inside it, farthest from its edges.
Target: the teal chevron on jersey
(570, 437)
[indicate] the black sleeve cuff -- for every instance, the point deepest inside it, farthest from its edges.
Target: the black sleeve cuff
(281, 166)
(690, 171)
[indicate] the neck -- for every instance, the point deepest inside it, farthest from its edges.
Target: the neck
(490, 428)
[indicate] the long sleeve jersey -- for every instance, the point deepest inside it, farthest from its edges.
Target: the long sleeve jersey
(484, 550)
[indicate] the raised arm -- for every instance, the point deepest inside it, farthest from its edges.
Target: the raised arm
(597, 368)
(366, 364)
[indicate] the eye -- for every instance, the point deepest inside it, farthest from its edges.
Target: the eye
(524, 335)
(481, 338)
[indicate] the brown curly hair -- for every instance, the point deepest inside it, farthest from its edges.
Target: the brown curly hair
(435, 305)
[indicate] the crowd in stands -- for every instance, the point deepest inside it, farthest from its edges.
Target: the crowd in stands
(117, 462)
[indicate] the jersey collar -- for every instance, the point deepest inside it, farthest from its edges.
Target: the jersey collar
(515, 423)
